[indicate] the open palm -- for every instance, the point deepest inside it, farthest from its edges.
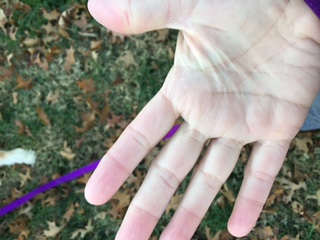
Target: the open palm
(244, 72)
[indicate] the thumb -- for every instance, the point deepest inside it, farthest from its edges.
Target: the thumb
(131, 16)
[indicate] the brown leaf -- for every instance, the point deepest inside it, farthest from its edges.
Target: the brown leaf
(68, 215)
(3, 19)
(117, 38)
(87, 85)
(6, 73)
(82, 22)
(302, 143)
(29, 42)
(53, 15)
(49, 28)
(136, 179)
(53, 97)
(122, 199)
(88, 122)
(114, 120)
(23, 84)
(43, 117)
(264, 233)
(93, 105)
(54, 230)
(228, 193)
(41, 61)
(174, 203)
(70, 59)
(23, 129)
(290, 187)
(18, 225)
(24, 177)
(128, 60)
(49, 201)
(163, 35)
(83, 232)
(15, 98)
(66, 152)
(84, 179)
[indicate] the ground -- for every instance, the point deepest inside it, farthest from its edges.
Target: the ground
(68, 87)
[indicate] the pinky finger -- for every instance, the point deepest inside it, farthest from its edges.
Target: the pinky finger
(264, 164)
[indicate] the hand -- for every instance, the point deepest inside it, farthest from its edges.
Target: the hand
(244, 72)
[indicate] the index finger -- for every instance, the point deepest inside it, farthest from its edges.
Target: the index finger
(142, 134)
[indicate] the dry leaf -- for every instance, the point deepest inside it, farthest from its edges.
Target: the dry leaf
(163, 35)
(123, 199)
(302, 143)
(3, 20)
(23, 84)
(114, 120)
(22, 128)
(53, 97)
(6, 73)
(67, 152)
(82, 22)
(41, 61)
(29, 42)
(264, 233)
(70, 59)
(43, 117)
(53, 229)
(17, 226)
(297, 207)
(228, 193)
(87, 85)
(84, 179)
(83, 232)
(49, 28)
(291, 187)
(88, 122)
(117, 37)
(174, 203)
(53, 15)
(128, 60)
(68, 215)
(15, 98)
(49, 201)
(24, 177)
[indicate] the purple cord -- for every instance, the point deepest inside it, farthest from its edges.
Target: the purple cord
(64, 179)
(315, 6)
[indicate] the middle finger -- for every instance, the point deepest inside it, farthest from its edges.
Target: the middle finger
(164, 176)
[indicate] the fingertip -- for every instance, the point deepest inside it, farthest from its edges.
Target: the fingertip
(236, 229)
(110, 14)
(91, 195)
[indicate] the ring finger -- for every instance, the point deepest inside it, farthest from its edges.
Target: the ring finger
(213, 170)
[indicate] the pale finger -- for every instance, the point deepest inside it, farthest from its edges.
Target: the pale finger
(213, 170)
(264, 164)
(148, 128)
(164, 176)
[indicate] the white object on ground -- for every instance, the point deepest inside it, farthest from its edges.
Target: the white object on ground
(17, 156)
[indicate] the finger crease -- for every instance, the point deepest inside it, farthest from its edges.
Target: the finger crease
(211, 180)
(261, 176)
(252, 201)
(117, 163)
(139, 137)
(170, 179)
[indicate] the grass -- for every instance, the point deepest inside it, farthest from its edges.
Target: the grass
(127, 98)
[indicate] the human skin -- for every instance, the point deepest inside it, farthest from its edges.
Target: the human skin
(244, 72)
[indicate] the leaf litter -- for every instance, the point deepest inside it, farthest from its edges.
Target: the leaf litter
(65, 44)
